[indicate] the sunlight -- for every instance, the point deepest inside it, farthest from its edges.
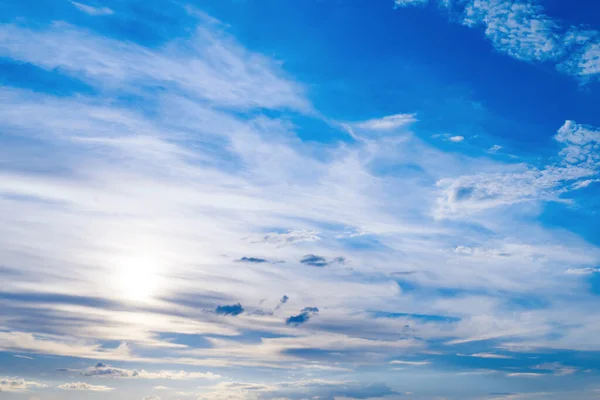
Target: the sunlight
(138, 277)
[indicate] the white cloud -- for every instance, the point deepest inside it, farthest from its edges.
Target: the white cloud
(520, 29)
(210, 66)
(85, 386)
(490, 355)
(406, 3)
(387, 123)
(18, 385)
(456, 139)
(151, 398)
(162, 388)
(524, 375)
(579, 161)
(495, 148)
(585, 62)
(96, 11)
(524, 31)
(412, 363)
(556, 368)
(102, 370)
(290, 237)
(582, 271)
(23, 357)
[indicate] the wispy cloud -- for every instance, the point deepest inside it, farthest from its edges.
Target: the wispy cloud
(387, 123)
(85, 387)
(578, 161)
(102, 370)
(412, 363)
(96, 11)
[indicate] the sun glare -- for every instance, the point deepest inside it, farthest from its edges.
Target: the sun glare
(138, 277)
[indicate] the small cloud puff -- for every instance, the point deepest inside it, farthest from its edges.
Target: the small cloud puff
(495, 148)
(151, 398)
(235, 309)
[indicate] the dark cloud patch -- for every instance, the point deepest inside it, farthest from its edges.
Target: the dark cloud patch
(296, 320)
(252, 260)
(235, 309)
(282, 301)
(318, 261)
(403, 273)
(101, 369)
(315, 261)
(339, 260)
(303, 317)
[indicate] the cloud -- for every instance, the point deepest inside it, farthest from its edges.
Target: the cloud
(578, 161)
(456, 139)
(387, 123)
(524, 375)
(523, 30)
(96, 11)
(235, 309)
(18, 385)
(252, 260)
(491, 355)
(23, 357)
(303, 317)
(495, 148)
(288, 238)
(103, 370)
(520, 29)
(318, 261)
(582, 271)
(162, 388)
(411, 363)
(406, 3)
(282, 301)
(151, 398)
(556, 368)
(313, 260)
(212, 67)
(85, 386)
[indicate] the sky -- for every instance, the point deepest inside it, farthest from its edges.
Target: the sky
(316, 199)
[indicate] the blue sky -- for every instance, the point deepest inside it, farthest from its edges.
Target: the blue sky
(265, 199)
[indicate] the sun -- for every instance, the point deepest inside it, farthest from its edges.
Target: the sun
(138, 277)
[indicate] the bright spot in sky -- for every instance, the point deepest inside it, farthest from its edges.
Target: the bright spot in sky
(138, 277)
